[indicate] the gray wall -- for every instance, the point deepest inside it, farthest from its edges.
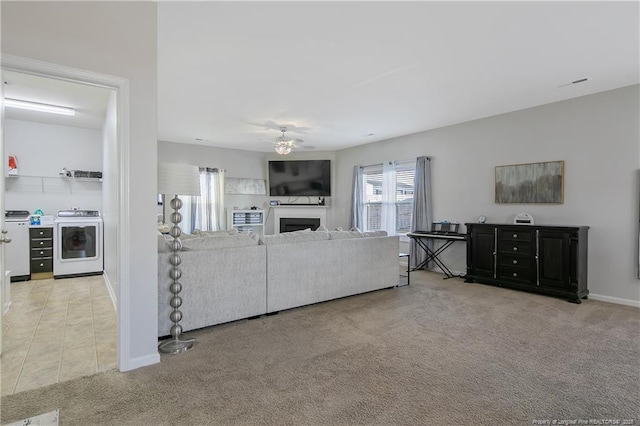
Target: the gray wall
(239, 164)
(598, 138)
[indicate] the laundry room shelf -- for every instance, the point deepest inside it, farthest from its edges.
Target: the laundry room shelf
(52, 184)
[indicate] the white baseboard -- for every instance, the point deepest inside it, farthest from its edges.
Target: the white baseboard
(143, 361)
(598, 297)
(617, 300)
(112, 293)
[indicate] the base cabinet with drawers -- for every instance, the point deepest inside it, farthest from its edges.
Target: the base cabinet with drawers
(41, 242)
(545, 259)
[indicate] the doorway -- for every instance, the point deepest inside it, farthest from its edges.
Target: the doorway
(111, 132)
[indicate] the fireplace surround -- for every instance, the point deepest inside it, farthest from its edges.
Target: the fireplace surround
(299, 216)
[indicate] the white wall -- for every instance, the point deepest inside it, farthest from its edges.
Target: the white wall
(240, 164)
(598, 138)
(110, 196)
(116, 39)
(42, 151)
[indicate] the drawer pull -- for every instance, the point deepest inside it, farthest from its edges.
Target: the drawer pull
(515, 274)
(41, 242)
(41, 252)
(515, 235)
(515, 262)
(515, 249)
(41, 233)
(42, 264)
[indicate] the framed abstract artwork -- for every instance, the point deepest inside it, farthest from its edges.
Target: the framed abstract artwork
(245, 186)
(532, 183)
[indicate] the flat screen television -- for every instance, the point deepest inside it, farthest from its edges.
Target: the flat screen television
(300, 178)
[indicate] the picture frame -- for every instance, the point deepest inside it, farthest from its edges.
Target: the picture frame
(245, 186)
(530, 183)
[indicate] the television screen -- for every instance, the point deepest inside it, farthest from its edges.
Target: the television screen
(300, 178)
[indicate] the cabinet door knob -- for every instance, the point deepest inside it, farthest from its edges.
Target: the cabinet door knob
(515, 249)
(515, 235)
(515, 262)
(515, 274)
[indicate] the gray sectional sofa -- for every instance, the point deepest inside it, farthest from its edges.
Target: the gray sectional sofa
(230, 277)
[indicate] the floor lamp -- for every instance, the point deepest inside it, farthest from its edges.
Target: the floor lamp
(177, 179)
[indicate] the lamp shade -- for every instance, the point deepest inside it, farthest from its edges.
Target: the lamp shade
(178, 179)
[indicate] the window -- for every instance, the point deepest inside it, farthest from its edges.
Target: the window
(388, 196)
(206, 211)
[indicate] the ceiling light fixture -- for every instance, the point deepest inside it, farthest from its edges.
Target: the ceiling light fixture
(36, 106)
(283, 148)
(283, 145)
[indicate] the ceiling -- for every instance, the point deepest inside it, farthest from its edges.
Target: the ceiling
(341, 74)
(89, 102)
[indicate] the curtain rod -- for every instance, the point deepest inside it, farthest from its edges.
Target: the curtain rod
(399, 161)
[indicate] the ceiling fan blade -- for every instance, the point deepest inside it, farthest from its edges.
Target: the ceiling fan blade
(272, 125)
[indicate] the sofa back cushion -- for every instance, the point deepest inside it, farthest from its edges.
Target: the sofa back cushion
(210, 242)
(293, 237)
(374, 234)
(341, 235)
(200, 233)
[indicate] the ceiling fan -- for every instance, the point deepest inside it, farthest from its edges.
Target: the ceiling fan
(284, 144)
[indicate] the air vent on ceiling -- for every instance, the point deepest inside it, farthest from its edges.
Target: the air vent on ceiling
(578, 81)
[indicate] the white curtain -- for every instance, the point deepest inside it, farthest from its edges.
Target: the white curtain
(357, 196)
(388, 216)
(205, 212)
(422, 208)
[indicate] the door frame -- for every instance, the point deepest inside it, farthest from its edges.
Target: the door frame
(121, 87)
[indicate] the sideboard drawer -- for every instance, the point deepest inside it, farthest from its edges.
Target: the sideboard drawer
(516, 274)
(515, 234)
(516, 247)
(516, 261)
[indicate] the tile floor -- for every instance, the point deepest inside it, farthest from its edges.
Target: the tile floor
(57, 330)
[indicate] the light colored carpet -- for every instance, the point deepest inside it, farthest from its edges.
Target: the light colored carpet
(438, 352)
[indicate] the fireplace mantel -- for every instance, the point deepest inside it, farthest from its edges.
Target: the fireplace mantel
(313, 212)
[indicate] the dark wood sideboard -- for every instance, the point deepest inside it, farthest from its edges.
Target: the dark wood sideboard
(551, 260)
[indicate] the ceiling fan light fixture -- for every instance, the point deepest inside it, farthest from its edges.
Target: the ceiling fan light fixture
(283, 148)
(283, 145)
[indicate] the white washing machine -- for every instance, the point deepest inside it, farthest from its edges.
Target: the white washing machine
(79, 244)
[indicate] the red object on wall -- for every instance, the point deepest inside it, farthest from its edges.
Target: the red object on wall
(13, 165)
